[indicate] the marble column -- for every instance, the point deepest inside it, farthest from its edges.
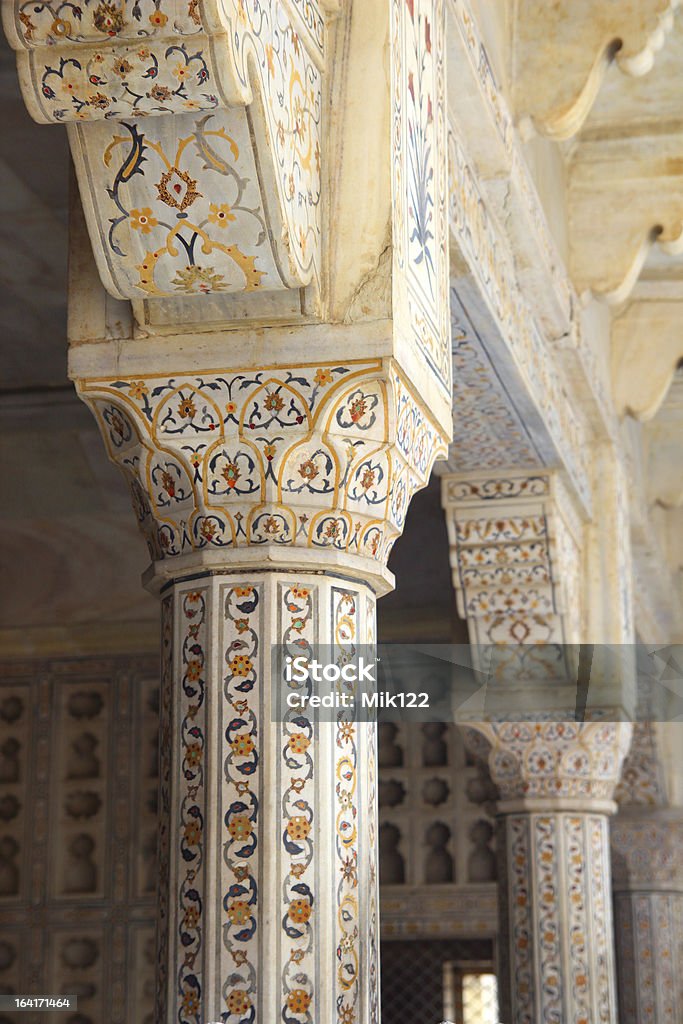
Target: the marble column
(554, 744)
(270, 501)
(556, 944)
(269, 883)
(259, 322)
(648, 909)
(647, 870)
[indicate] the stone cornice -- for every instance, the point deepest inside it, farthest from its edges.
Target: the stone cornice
(553, 96)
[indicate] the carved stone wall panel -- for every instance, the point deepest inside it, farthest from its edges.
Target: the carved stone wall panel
(15, 771)
(144, 789)
(80, 801)
(80, 914)
(420, 181)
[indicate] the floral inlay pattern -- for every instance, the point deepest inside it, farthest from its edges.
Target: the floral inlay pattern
(243, 611)
(420, 176)
(287, 457)
(191, 851)
(297, 614)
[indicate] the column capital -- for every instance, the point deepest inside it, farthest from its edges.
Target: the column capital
(646, 849)
(312, 464)
(542, 764)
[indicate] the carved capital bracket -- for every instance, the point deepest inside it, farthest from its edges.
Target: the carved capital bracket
(516, 547)
(554, 97)
(647, 346)
(641, 187)
(281, 464)
(646, 851)
(642, 783)
(196, 135)
(550, 760)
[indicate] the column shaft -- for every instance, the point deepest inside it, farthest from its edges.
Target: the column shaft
(268, 882)
(556, 941)
(556, 952)
(648, 908)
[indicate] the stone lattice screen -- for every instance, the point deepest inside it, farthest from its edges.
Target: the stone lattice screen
(435, 808)
(78, 792)
(424, 981)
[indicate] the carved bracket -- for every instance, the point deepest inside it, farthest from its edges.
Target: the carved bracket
(641, 189)
(516, 546)
(647, 346)
(554, 96)
(195, 130)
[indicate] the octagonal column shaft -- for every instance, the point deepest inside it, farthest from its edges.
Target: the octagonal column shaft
(648, 908)
(556, 943)
(268, 905)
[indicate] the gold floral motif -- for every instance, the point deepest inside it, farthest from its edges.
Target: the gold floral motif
(241, 665)
(273, 402)
(298, 827)
(240, 827)
(177, 189)
(198, 279)
(142, 220)
(308, 470)
(60, 28)
(108, 19)
(242, 745)
(121, 67)
(231, 474)
(191, 917)
(29, 27)
(137, 389)
(158, 19)
(239, 912)
(300, 911)
(220, 215)
(192, 833)
(160, 92)
(99, 101)
(190, 1002)
(298, 743)
(298, 1001)
(238, 1002)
